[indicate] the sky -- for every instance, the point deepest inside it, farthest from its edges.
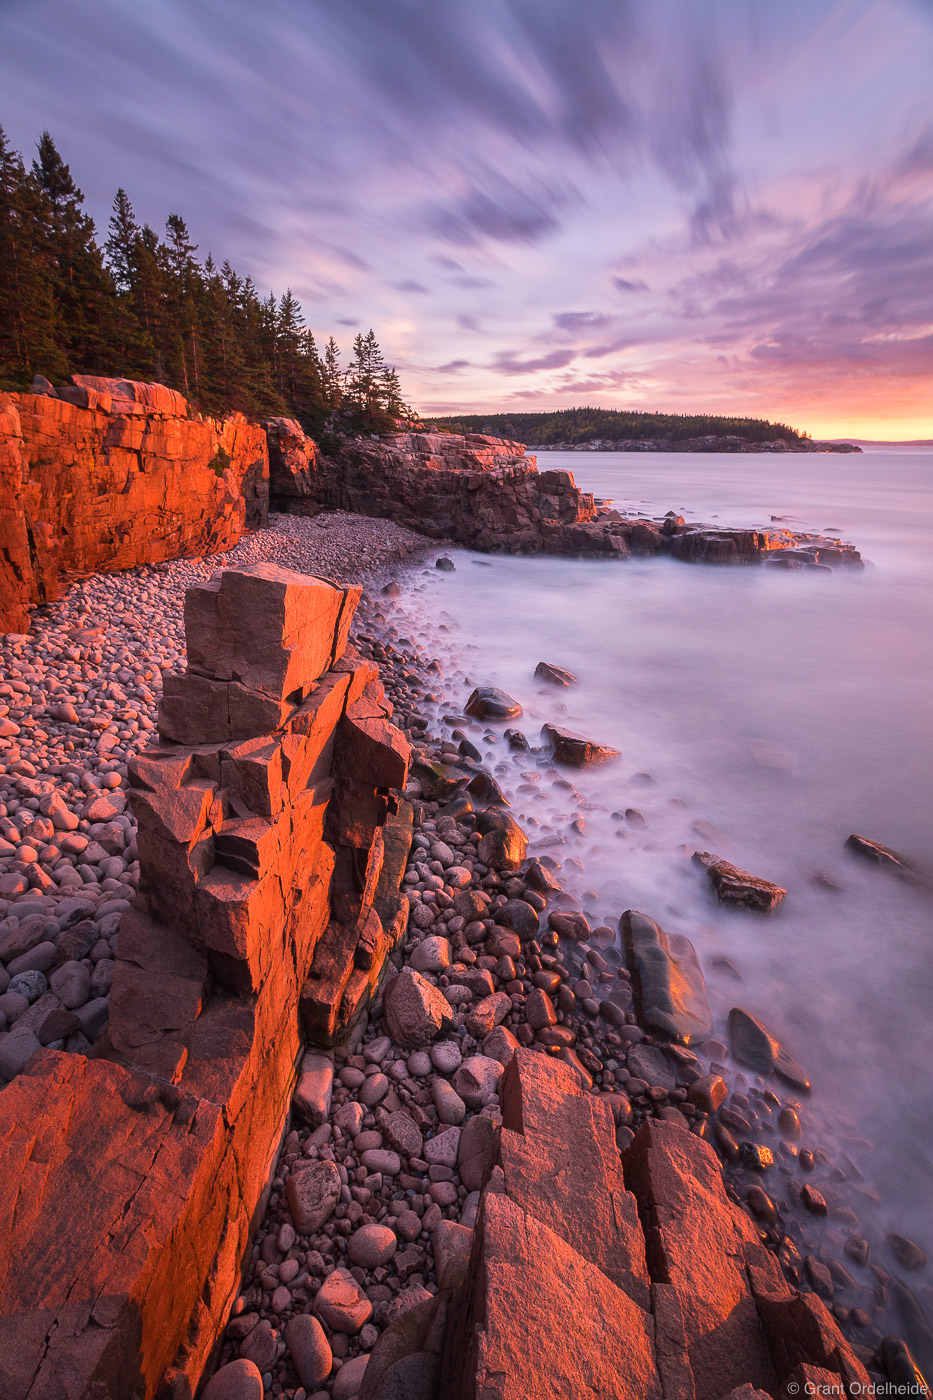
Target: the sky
(677, 205)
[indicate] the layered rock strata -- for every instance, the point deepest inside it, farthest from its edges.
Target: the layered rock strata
(107, 474)
(146, 1160)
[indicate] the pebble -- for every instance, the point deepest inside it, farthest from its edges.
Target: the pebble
(238, 1380)
(309, 1349)
(372, 1246)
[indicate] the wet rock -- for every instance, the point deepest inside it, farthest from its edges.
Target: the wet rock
(539, 1010)
(901, 1367)
(754, 1046)
(708, 1093)
(761, 1205)
(445, 564)
(876, 853)
(649, 1063)
(416, 1012)
(540, 878)
(520, 918)
(554, 675)
(908, 1254)
(486, 702)
(575, 750)
(504, 847)
(312, 1194)
(736, 887)
(667, 979)
(309, 1350)
(569, 923)
(814, 1201)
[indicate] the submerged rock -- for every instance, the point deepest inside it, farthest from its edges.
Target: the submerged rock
(754, 1046)
(667, 978)
(554, 675)
(574, 749)
(875, 852)
(734, 886)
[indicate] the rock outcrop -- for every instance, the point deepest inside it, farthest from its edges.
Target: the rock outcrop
(631, 1277)
(129, 1182)
(107, 474)
(486, 493)
(480, 491)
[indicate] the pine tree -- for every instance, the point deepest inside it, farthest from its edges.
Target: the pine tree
(83, 289)
(181, 284)
(333, 383)
(146, 309)
(30, 332)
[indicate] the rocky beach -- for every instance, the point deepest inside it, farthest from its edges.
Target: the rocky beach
(374, 1197)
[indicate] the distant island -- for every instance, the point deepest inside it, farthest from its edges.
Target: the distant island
(618, 430)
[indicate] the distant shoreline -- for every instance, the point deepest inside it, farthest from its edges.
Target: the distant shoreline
(779, 446)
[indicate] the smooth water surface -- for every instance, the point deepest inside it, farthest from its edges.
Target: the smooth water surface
(780, 710)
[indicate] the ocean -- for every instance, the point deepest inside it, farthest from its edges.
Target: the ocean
(778, 710)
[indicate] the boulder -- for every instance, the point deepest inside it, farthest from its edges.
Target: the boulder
(341, 1304)
(754, 1046)
(486, 702)
(309, 1350)
(554, 675)
(477, 1080)
(737, 888)
(876, 853)
(312, 1193)
(573, 749)
(667, 979)
(415, 1010)
(503, 849)
(238, 1380)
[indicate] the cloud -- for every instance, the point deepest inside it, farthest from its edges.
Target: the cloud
(507, 363)
(581, 320)
(625, 285)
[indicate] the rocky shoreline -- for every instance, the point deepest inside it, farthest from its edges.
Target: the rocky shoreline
(405, 1114)
(375, 1194)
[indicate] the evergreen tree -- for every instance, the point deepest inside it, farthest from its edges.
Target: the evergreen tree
(30, 333)
(142, 308)
(82, 288)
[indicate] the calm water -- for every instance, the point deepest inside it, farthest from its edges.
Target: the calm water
(785, 710)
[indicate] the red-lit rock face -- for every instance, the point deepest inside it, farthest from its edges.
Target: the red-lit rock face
(155, 1155)
(109, 474)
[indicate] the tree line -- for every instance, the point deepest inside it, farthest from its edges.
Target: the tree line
(578, 425)
(144, 307)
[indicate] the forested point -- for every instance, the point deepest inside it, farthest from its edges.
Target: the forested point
(578, 425)
(144, 307)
